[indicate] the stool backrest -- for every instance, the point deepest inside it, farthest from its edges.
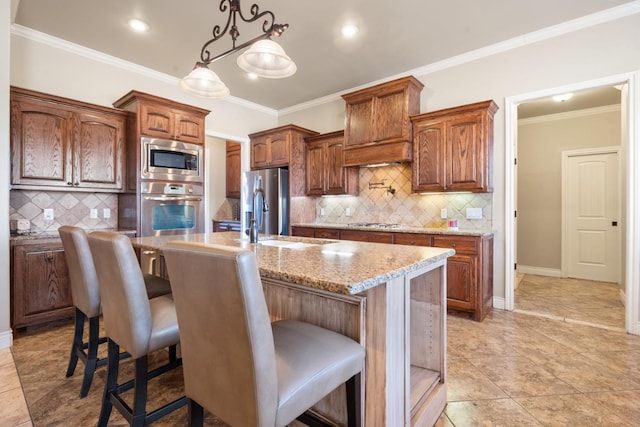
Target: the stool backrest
(125, 305)
(82, 272)
(226, 339)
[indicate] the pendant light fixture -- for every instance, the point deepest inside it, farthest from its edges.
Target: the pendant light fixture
(265, 58)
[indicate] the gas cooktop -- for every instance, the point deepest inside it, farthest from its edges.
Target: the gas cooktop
(374, 225)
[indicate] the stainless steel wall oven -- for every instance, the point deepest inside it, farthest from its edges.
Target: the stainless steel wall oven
(171, 208)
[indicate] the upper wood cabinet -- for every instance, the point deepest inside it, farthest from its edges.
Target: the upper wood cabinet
(325, 174)
(452, 149)
(233, 169)
(162, 118)
(283, 146)
(59, 143)
(378, 128)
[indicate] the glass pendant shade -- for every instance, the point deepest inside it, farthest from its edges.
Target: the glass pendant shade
(266, 58)
(203, 82)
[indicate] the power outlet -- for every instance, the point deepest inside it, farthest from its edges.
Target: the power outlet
(106, 213)
(93, 214)
(347, 212)
(474, 213)
(443, 214)
(48, 215)
(321, 211)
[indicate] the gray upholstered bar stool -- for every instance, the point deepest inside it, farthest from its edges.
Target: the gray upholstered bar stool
(244, 369)
(86, 299)
(137, 324)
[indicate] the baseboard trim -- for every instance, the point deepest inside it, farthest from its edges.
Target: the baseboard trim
(623, 297)
(539, 271)
(498, 302)
(6, 339)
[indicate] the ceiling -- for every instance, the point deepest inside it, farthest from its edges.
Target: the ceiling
(395, 37)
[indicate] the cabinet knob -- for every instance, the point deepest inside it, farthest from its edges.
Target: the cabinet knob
(49, 258)
(69, 183)
(453, 245)
(76, 184)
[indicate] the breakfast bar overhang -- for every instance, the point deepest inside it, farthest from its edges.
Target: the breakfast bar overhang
(389, 298)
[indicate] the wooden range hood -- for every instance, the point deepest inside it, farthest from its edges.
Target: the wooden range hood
(378, 128)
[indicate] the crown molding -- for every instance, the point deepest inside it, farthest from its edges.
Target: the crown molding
(573, 25)
(58, 43)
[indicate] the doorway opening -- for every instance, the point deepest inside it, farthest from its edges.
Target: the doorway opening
(629, 216)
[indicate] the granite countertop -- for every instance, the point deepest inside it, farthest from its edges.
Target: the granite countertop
(54, 235)
(404, 229)
(339, 266)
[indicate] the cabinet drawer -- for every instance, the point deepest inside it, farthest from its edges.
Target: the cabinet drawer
(462, 245)
(367, 236)
(302, 231)
(325, 233)
(413, 239)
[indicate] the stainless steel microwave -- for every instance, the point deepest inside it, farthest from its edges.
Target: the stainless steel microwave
(168, 160)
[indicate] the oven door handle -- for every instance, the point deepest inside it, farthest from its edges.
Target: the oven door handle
(173, 198)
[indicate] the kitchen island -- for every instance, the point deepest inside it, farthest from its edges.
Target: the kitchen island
(390, 298)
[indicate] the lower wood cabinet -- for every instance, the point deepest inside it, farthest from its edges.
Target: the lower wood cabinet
(40, 288)
(469, 271)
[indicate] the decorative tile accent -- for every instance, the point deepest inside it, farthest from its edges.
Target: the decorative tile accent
(69, 209)
(402, 207)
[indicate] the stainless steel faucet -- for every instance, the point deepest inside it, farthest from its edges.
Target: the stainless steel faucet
(254, 227)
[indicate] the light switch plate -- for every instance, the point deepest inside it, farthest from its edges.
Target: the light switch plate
(443, 213)
(474, 213)
(106, 213)
(93, 213)
(347, 212)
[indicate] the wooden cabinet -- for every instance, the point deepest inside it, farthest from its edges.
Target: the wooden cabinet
(469, 271)
(168, 121)
(40, 288)
(378, 129)
(452, 149)
(233, 166)
(62, 144)
(278, 147)
(282, 147)
(325, 174)
(367, 236)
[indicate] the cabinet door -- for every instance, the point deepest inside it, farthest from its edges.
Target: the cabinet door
(327, 233)
(302, 231)
(259, 153)
(279, 143)
(390, 121)
(156, 121)
(233, 170)
(189, 128)
(98, 151)
(428, 166)
(336, 179)
(359, 125)
(465, 153)
(40, 144)
(41, 290)
(412, 239)
(315, 173)
(461, 282)
(367, 236)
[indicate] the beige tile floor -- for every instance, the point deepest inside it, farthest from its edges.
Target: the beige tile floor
(512, 369)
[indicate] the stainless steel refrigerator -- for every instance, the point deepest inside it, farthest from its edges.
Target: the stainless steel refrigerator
(265, 195)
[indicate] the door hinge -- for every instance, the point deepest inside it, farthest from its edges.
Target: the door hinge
(515, 266)
(515, 161)
(515, 214)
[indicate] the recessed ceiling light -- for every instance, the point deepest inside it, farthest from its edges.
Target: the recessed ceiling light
(349, 30)
(563, 97)
(138, 25)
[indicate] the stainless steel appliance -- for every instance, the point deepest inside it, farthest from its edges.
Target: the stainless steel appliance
(171, 208)
(268, 191)
(167, 160)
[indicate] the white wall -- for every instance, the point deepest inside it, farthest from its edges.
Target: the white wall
(5, 155)
(540, 145)
(602, 50)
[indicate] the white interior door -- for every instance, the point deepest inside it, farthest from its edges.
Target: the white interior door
(592, 215)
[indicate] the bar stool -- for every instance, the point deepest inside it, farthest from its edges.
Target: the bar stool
(137, 324)
(238, 365)
(86, 299)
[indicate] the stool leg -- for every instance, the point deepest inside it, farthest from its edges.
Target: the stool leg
(354, 401)
(196, 414)
(173, 353)
(140, 393)
(76, 346)
(110, 384)
(92, 355)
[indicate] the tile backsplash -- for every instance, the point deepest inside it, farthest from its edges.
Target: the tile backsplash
(69, 209)
(402, 206)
